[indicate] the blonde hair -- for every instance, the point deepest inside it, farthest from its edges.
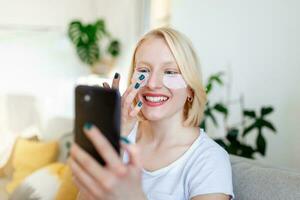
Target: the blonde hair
(189, 66)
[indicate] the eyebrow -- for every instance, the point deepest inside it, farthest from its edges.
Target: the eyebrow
(165, 63)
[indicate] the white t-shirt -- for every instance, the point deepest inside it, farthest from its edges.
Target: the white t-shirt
(203, 169)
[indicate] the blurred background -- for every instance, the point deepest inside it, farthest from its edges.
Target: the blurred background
(253, 44)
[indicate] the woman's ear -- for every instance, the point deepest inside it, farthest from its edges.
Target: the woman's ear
(190, 92)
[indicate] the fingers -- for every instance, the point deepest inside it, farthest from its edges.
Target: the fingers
(105, 149)
(136, 109)
(89, 164)
(84, 181)
(135, 86)
(83, 194)
(128, 97)
(105, 85)
(116, 81)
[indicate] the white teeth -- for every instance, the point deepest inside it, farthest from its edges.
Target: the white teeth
(156, 99)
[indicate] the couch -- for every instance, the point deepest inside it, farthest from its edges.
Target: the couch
(254, 180)
(251, 181)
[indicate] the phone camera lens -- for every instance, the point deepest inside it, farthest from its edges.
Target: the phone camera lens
(87, 98)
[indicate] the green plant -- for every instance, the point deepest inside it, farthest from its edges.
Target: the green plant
(251, 122)
(87, 39)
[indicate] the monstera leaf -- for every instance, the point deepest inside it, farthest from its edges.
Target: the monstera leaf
(88, 53)
(86, 39)
(74, 32)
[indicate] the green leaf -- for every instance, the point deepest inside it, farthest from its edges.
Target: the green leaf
(249, 128)
(89, 54)
(212, 117)
(249, 113)
(91, 32)
(217, 79)
(100, 24)
(246, 151)
(221, 108)
(114, 48)
(84, 38)
(259, 123)
(268, 125)
(261, 144)
(100, 29)
(202, 125)
(232, 135)
(208, 88)
(74, 32)
(233, 148)
(266, 110)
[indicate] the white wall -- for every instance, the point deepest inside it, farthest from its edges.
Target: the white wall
(39, 69)
(259, 42)
(46, 13)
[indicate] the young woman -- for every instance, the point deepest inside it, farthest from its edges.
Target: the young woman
(169, 156)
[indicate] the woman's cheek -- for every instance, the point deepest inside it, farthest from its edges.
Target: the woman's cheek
(132, 80)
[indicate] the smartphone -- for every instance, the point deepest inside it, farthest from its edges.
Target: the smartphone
(101, 107)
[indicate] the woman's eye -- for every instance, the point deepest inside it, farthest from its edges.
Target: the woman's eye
(171, 72)
(143, 70)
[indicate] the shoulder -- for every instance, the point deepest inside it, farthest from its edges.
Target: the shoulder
(208, 150)
(207, 157)
(210, 169)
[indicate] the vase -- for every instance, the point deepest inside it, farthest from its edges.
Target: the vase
(104, 66)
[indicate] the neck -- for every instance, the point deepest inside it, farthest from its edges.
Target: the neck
(165, 131)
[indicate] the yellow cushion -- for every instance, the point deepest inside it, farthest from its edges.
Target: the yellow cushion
(7, 169)
(57, 169)
(67, 189)
(29, 156)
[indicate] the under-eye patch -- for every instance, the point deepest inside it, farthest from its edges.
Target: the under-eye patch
(174, 81)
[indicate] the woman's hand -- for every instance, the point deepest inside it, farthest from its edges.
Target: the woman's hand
(129, 112)
(113, 181)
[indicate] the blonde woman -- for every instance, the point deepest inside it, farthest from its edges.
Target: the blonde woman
(166, 155)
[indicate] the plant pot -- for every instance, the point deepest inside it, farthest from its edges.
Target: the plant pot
(104, 66)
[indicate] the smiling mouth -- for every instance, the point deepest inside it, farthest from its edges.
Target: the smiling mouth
(157, 99)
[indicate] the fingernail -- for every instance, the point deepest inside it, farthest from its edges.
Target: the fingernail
(137, 85)
(124, 139)
(142, 77)
(116, 75)
(140, 104)
(87, 125)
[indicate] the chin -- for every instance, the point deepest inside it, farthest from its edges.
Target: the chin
(153, 116)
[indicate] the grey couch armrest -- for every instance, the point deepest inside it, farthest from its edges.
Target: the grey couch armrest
(253, 180)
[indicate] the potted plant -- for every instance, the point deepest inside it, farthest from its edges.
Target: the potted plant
(94, 45)
(252, 122)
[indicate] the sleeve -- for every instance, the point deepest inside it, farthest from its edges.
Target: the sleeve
(211, 174)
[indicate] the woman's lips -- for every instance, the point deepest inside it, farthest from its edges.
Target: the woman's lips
(154, 100)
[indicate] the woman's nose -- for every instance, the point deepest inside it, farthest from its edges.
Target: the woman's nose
(154, 81)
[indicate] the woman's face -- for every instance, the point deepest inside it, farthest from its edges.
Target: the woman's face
(165, 92)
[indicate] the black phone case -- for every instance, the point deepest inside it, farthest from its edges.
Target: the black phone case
(101, 107)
